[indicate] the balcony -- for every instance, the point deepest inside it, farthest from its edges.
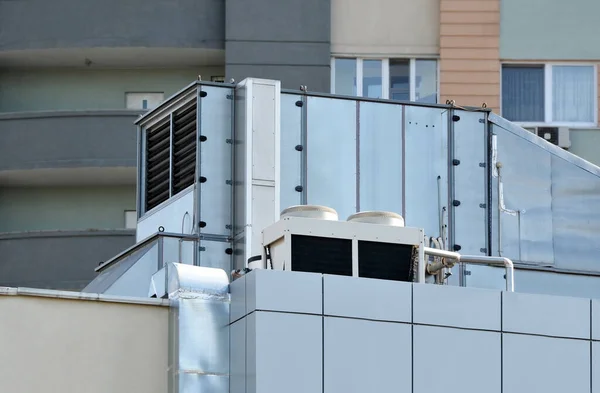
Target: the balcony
(106, 31)
(58, 259)
(65, 148)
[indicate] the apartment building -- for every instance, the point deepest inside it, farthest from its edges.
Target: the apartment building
(74, 75)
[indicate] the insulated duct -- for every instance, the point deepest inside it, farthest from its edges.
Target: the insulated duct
(198, 329)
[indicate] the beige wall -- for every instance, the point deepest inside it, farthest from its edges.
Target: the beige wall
(75, 346)
(469, 52)
(385, 27)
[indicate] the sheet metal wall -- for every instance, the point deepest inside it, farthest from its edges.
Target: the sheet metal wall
(325, 334)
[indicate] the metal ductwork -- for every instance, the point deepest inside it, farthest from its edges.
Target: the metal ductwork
(198, 329)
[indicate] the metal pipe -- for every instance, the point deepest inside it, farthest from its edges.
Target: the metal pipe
(481, 260)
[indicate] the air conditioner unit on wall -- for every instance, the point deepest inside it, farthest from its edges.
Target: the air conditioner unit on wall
(555, 135)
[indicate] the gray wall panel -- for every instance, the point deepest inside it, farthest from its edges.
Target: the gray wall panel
(547, 315)
(543, 364)
(288, 41)
(456, 306)
(595, 367)
(361, 356)
(277, 290)
(477, 353)
(549, 29)
(43, 24)
(58, 260)
(287, 354)
(367, 298)
(237, 289)
(237, 359)
(68, 139)
(595, 319)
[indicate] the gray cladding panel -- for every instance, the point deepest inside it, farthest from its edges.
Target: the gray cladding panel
(543, 364)
(276, 20)
(596, 320)
(67, 140)
(278, 53)
(456, 306)
(237, 290)
(111, 23)
(366, 298)
(287, 355)
(58, 260)
(596, 367)
(546, 315)
(366, 356)
(277, 290)
(477, 353)
(290, 158)
(317, 78)
(237, 361)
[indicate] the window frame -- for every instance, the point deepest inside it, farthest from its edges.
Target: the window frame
(548, 92)
(385, 74)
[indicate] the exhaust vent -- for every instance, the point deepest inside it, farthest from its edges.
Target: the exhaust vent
(377, 217)
(310, 211)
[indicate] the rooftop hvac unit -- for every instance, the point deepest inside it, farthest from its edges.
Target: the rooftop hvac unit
(556, 135)
(369, 244)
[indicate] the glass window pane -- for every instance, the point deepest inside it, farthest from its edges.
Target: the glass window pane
(345, 77)
(400, 79)
(380, 157)
(331, 154)
(573, 93)
(372, 78)
(523, 93)
(426, 81)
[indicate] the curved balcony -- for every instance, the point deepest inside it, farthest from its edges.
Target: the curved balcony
(80, 147)
(58, 259)
(57, 24)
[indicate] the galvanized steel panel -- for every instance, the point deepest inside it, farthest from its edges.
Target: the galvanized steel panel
(456, 307)
(546, 315)
(237, 370)
(216, 160)
(525, 200)
(544, 364)
(194, 383)
(135, 281)
(380, 142)
(474, 354)
(291, 158)
(365, 356)
(331, 154)
(278, 290)
(367, 298)
(470, 217)
(286, 355)
(426, 159)
(215, 254)
(575, 216)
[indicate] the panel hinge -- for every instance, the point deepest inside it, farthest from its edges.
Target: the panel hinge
(482, 164)
(482, 205)
(230, 96)
(482, 120)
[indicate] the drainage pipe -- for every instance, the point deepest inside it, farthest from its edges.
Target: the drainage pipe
(475, 259)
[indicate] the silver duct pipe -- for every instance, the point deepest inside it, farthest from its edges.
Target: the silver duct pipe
(198, 329)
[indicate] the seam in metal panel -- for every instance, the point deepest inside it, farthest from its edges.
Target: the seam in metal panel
(198, 216)
(304, 153)
(357, 143)
(403, 180)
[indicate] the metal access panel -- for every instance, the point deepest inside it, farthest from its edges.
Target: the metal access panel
(468, 200)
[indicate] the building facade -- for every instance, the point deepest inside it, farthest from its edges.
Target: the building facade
(75, 75)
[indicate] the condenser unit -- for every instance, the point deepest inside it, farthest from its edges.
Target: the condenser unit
(369, 244)
(556, 135)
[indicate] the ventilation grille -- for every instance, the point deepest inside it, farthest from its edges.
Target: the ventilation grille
(157, 164)
(184, 147)
(322, 255)
(548, 133)
(385, 261)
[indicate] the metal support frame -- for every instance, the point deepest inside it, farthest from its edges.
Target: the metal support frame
(304, 153)
(196, 217)
(476, 259)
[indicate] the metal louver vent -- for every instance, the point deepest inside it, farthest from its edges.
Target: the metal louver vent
(157, 163)
(184, 147)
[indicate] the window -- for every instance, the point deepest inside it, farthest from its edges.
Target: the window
(560, 94)
(143, 101)
(397, 79)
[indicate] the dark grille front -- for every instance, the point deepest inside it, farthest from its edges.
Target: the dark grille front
(322, 255)
(157, 163)
(386, 261)
(184, 147)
